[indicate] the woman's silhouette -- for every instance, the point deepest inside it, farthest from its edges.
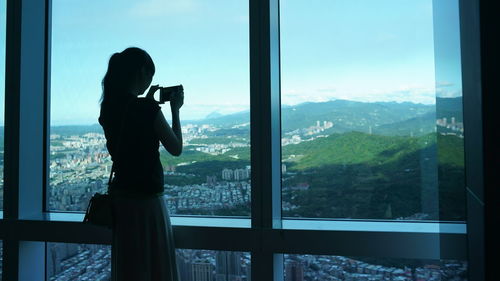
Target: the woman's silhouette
(143, 245)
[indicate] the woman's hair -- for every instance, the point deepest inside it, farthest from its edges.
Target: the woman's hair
(122, 69)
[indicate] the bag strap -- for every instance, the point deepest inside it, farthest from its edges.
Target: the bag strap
(111, 174)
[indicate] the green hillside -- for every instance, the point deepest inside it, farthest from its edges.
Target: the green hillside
(417, 126)
(356, 175)
(360, 148)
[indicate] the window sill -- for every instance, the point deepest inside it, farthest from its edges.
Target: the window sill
(376, 226)
(292, 224)
(233, 222)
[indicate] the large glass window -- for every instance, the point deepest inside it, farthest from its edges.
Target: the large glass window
(372, 122)
(202, 45)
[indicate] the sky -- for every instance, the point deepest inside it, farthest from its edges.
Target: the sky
(363, 50)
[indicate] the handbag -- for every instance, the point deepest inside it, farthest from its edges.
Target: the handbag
(99, 210)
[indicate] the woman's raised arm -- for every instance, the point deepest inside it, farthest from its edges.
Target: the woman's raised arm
(170, 137)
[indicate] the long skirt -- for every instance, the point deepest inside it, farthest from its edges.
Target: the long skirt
(143, 245)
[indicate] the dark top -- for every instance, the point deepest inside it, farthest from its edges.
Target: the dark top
(134, 150)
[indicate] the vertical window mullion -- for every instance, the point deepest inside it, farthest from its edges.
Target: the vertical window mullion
(25, 83)
(46, 105)
(265, 133)
(473, 133)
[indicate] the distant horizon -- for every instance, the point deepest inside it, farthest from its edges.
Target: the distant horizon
(243, 111)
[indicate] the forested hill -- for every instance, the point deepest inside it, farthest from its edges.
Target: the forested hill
(361, 148)
(357, 175)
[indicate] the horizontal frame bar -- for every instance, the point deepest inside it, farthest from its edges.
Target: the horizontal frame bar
(408, 245)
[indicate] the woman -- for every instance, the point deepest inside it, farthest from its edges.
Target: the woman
(143, 247)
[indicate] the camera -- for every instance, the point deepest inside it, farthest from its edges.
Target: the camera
(167, 92)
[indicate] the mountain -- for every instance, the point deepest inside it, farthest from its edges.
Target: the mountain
(449, 107)
(76, 129)
(386, 118)
(350, 115)
(415, 126)
(224, 120)
(213, 115)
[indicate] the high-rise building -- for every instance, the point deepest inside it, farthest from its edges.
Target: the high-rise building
(283, 168)
(211, 180)
(240, 174)
(202, 271)
(57, 253)
(227, 174)
(294, 271)
(228, 266)
(184, 267)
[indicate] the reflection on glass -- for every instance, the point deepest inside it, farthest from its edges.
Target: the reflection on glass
(336, 268)
(72, 262)
(372, 122)
(2, 90)
(202, 45)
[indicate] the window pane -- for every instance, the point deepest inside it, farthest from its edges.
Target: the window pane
(202, 45)
(372, 110)
(336, 268)
(2, 90)
(70, 262)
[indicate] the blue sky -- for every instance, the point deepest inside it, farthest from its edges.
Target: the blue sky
(365, 50)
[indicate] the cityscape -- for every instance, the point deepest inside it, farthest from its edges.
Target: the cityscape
(72, 262)
(212, 177)
(80, 166)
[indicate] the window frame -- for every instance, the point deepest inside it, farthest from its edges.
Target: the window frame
(25, 226)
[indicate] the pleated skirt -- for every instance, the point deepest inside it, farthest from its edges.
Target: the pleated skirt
(143, 245)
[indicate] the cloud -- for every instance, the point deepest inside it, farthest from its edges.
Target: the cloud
(441, 84)
(445, 93)
(409, 93)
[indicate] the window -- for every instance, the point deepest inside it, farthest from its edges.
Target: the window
(372, 123)
(360, 177)
(71, 262)
(203, 46)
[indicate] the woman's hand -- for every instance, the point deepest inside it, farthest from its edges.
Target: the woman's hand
(177, 100)
(151, 92)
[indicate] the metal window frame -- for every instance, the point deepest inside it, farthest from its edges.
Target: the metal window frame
(24, 228)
